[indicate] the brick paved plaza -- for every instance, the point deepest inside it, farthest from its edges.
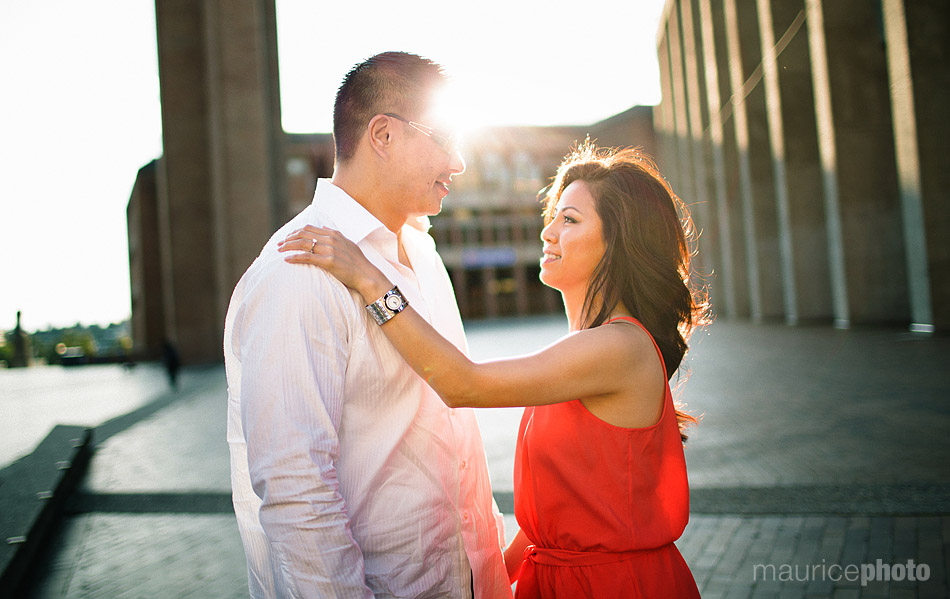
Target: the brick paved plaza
(818, 449)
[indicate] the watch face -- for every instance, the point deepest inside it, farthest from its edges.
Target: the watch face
(393, 302)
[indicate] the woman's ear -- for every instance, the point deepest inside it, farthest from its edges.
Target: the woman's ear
(380, 135)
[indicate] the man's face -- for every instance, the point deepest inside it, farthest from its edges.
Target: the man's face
(426, 162)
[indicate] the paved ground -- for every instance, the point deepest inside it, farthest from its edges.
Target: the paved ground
(819, 453)
(34, 400)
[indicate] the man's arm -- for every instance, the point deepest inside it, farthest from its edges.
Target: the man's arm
(294, 349)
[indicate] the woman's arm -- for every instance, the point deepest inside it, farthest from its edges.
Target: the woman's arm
(589, 363)
(514, 555)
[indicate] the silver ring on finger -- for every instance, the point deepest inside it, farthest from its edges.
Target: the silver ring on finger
(313, 245)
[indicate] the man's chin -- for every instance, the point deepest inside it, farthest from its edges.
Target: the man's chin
(432, 209)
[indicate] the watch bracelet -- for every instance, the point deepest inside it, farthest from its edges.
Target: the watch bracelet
(381, 312)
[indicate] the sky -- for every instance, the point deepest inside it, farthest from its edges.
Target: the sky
(80, 110)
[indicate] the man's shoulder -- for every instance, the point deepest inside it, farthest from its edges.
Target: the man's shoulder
(270, 274)
(270, 267)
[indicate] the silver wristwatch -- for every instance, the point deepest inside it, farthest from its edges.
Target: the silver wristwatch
(389, 305)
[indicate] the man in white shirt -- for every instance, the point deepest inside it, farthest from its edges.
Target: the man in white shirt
(350, 477)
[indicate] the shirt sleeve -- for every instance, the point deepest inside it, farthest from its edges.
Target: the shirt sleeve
(294, 342)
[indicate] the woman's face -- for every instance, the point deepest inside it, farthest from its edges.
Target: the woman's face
(573, 240)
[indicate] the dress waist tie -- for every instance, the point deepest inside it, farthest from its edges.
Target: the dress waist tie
(527, 581)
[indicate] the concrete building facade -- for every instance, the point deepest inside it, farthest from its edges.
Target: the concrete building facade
(230, 176)
(794, 128)
(145, 265)
(217, 193)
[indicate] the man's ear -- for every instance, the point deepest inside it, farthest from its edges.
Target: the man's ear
(380, 133)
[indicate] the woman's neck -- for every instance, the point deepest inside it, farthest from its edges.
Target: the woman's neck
(574, 308)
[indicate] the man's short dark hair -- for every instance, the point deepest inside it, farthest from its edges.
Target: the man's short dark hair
(389, 82)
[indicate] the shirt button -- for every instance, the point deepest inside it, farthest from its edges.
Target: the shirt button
(452, 411)
(462, 465)
(465, 515)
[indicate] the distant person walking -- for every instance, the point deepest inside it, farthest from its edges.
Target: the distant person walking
(601, 491)
(350, 477)
(22, 348)
(172, 362)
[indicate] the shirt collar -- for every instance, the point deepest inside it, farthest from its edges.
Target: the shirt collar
(350, 218)
(345, 214)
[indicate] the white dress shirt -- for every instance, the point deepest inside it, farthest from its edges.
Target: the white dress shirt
(350, 477)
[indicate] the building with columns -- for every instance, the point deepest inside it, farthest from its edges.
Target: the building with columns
(230, 176)
(808, 136)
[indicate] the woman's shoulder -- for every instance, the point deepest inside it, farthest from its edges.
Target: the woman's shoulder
(637, 401)
(628, 331)
(633, 343)
(622, 344)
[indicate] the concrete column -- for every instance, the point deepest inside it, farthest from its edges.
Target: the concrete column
(733, 161)
(917, 58)
(787, 73)
(697, 109)
(795, 167)
(776, 133)
(755, 165)
(856, 145)
(725, 278)
(184, 183)
(222, 182)
(928, 32)
(683, 184)
(238, 36)
(145, 269)
(740, 131)
(663, 121)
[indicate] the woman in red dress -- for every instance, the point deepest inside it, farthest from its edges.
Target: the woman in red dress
(601, 491)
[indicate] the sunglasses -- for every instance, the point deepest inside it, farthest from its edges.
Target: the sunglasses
(448, 143)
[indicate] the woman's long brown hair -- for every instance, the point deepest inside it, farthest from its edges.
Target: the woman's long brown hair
(647, 238)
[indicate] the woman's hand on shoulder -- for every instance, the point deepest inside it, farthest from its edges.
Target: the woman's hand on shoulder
(331, 251)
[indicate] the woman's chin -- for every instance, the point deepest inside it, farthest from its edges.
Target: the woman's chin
(547, 280)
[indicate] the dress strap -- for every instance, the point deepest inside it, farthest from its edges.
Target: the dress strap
(629, 319)
(640, 324)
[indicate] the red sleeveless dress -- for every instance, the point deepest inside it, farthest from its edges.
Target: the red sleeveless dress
(601, 504)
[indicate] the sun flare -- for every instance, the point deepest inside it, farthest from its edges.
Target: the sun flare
(462, 111)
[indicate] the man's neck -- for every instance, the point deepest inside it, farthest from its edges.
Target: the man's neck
(364, 192)
(368, 193)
